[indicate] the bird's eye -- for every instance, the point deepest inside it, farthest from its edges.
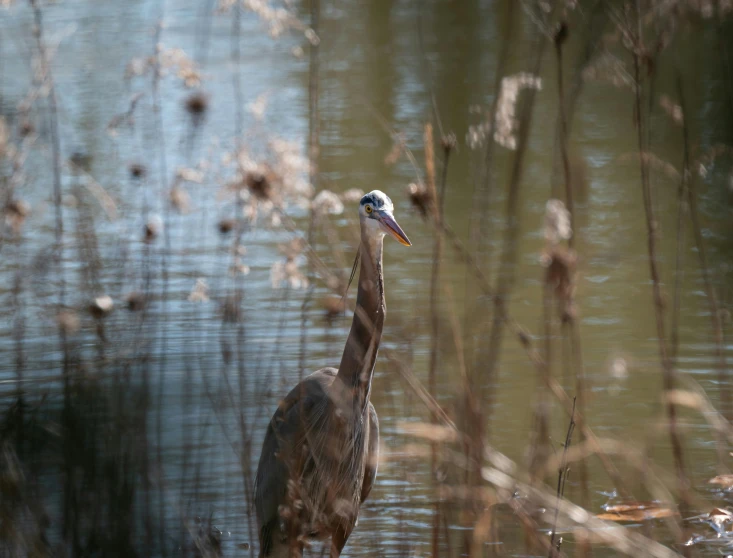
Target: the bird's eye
(368, 209)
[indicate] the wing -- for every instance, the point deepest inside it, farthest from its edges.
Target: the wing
(283, 433)
(270, 484)
(372, 457)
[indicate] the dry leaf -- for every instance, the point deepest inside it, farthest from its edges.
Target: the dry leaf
(636, 511)
(684, 398)
(427, 431)
(720, 515)
(200, 292)
(718, 518)
(722, 480)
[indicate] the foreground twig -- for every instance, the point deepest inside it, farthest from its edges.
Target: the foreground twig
(714, 308)
(570, 323)
(438, 208)
(506, 270)
(621, 539)
(641, 120)
(562, 477)
(70, 531)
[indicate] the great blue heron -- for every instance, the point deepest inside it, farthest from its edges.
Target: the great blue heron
(319, 457)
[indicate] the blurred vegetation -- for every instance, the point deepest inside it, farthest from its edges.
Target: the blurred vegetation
(116, 410)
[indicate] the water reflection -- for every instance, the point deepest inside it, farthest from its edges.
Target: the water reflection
(385, 68)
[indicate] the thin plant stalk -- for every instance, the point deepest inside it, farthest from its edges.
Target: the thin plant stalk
(668, 371)
(162, 360)
(434, 317)
(682, 211)
(313, 149)
(562, 477)
(541, 428)
(245, 429)
(563, 126)
(480, 225)
(713, 305)
(506, 271)
(19, 342)
(38, 32)
(570, 323)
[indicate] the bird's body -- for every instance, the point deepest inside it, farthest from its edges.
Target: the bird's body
(319, 457)
(325, 499)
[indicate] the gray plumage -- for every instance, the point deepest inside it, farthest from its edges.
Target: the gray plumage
(320, 453)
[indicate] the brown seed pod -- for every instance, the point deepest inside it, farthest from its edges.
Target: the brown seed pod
(135, 301)
(231, 309)
(16, 212)
(448, 142)
(152, 229)
(334, 306)
(101, 307)
(180, 200)
(68, 321)
(259, 184)
(26, 128)
(197, 104)
(420, 197)
(561, 33)
(226, 226)
(137, 170)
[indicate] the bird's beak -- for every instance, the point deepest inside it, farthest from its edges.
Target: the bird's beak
(391, 226)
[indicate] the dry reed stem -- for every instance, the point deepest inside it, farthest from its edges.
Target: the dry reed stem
(438, 209)
(682, 210)
(563, 131)
(623, 540)
(524, 338)
(668, 373)
(714, 307)
(437, 256)
(562, 477)
(458, 342)
(160, 143)
(68, 529)
(313, 93)
(540, 429)
(572, 323)
(313, 150)
(698, 400)
(429, 145)
(657, 479)
(505, 279)
(480, 230)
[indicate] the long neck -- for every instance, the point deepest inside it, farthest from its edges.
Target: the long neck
(360, 353)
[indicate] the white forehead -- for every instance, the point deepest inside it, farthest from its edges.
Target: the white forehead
(378, 199)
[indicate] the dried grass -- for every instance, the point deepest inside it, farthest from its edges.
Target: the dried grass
(104, 436)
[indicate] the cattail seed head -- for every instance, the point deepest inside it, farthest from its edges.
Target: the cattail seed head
(420, 198)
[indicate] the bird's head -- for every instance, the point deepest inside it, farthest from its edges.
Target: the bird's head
(377, 219)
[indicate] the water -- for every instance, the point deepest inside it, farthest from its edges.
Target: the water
(383, 69)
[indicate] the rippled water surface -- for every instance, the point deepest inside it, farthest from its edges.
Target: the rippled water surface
(384, 68)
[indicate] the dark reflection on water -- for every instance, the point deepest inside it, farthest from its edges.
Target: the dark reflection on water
(198, 363)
